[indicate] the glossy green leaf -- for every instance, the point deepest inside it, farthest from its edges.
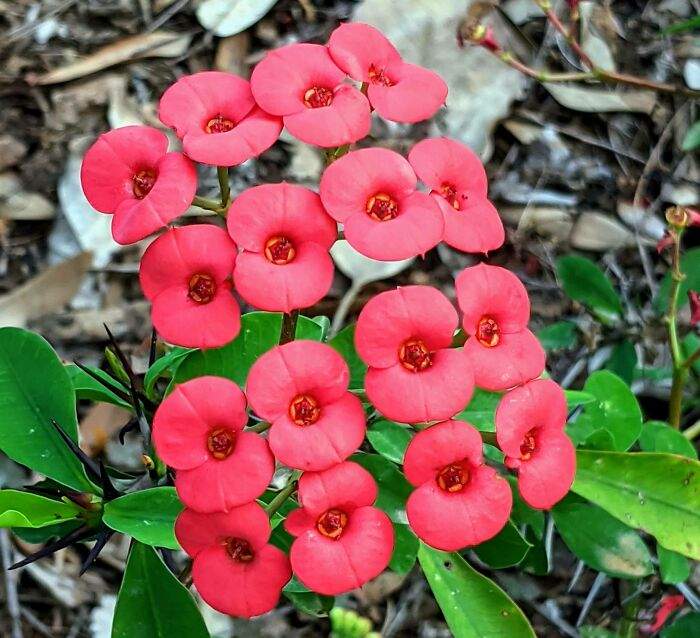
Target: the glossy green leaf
(24, 509)
(148, 515)
(162, 367)
(687, 626)
(152, 603)
(615, 411)
(260, 331)
(691, 141)
(481, 410)
(673, 567)
(306, 601)
(690, 267)
(506, 549)
(41, 535)
(658, 436)
(561, 335)
(35, 388)
(394, 489)
(574, 398)
(405, 549)
(601, 541)
(473, 605)
(657, 493)
(623, 361)
(86, 387)
(389, 439)
(585, 282)
(522, 514)
(344, 343)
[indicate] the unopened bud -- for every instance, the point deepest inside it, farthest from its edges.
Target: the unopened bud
(147, 462)
(477, 33)
(678, 216)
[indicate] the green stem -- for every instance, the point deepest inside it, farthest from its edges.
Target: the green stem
(693, 431)
(289, 326)
(259, 427)
(209, 204)
(680, 372)
(281, 496)
(693, 358)
(224, 186)
(630, 609)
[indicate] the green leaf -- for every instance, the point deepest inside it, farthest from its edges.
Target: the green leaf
(615, 411)
(658, 436)
(88, 388)
(473, 605)
(686, 25)
(601, 541)
(41, 535)
(673, 567)
(481, 410)
(589, 631)
(344, 343)
(584, 282)
(308, 602)
(691, 141)
(163, 367)
(389, 439)
(623, 361)
(689, 344)
(574, 398)
(405, 549)
(35, 388)
(690, 267)
(505, 549)
(260, 331)
(657, 493)
(23, 509)
(523, 514)
(394, 489)
(561, 335)
(152, 603)
(684, 627)
(148, 515)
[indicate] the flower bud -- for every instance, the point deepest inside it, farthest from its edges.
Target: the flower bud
(680, 217)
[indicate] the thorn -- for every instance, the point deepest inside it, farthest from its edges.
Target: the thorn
(87, 462)
(152, 349)
(576, 410)
(119, 391)
(75, 536)
(102, 539)
(109, 491)
(131, 426)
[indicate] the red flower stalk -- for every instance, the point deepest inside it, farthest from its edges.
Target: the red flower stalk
(459, 186)
(404, 336)
(398, 91)
(301, 84)
(215, 116)
(496, 309)
(373, 193)
(301, 388)
(530, 430)
(129, 172)
(285, 263)
(458, 501)
(198, 431)
(185, 273)
(235, 570)
(342, 541)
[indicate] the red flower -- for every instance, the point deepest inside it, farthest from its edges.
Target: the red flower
(530, 430)
(234, 568)
(458, 182)
(301, 388)
(129, 172)
(198, 431)
(458, 501)
(285, 235)
(694, 301)
(404, 336)
(501, 350)
(216, 117)
(185, 274)
(301, 83)
(342, 542)
(373, 193)
(399, 91)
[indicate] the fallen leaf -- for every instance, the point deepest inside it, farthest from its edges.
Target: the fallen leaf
(590, 100)
(228, 17)
(25, 206)
(363, 270)
(159, 44)
(598, 30)
(598, 231)
(48, 292)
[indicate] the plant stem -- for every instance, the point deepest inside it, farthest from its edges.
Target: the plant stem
(281, 496)
(209, 204)
(680, 372)
(554, 20)
(259, 427)
(693, 431)
(693, 358)
(224, 186)
(630, 609)
(289, 327)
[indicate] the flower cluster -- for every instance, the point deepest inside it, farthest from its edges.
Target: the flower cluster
(274, 253)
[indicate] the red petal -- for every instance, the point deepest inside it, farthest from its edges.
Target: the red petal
(434, 394)
(475, 228)
(298, 521)
(393, 317)
(298, 367)
(334, 567)
(437, 447)
(453, 521)
(345, 486)
(355, 47)
(217, 486)
(517, 359)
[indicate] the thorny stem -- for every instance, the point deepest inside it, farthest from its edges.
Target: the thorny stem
(282, 496)
(289, 327)
(680, 372)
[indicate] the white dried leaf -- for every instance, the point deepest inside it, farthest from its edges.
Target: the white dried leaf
(590, 100)
(597, 231)
(228, 17)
